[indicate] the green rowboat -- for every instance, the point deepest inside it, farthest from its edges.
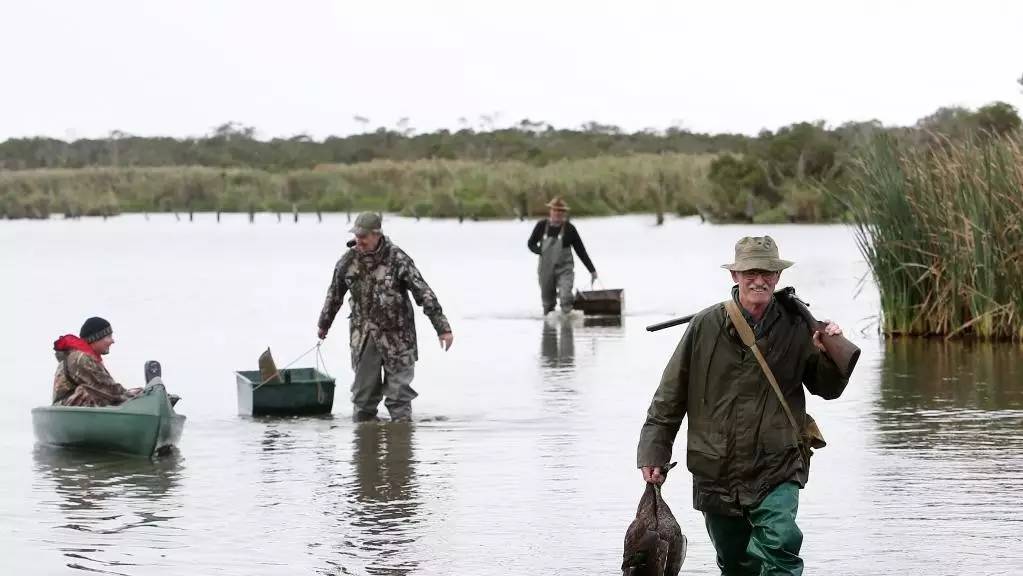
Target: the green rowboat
(143, 426)
(292, 392)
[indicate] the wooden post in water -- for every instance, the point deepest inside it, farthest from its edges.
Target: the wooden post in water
(218, 216)
(657, 199)
(189, 214)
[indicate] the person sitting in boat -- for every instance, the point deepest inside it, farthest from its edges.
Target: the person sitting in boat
(81, 378)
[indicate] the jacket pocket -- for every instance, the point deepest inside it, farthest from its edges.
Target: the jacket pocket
(778, 438)
(705, 453)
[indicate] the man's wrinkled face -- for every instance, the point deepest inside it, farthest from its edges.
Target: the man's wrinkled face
(756, 286)
(557, 216)
(367, 242)
(102, 346)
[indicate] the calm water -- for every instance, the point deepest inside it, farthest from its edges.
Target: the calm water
(522, 458)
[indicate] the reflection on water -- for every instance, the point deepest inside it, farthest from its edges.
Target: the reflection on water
(950, 440)
(384, 496)
(557, 350)
(104, 497)
(964, 397)
(86, 481)
(603, 321)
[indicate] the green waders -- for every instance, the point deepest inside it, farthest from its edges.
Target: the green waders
(764, 541)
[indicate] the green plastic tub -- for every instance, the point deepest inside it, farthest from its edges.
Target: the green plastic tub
(299, 391)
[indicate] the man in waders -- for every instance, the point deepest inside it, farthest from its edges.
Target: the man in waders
(747, 460)
(379, 276)
(553, 239)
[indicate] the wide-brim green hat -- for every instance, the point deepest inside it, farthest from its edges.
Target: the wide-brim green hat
(757, 253)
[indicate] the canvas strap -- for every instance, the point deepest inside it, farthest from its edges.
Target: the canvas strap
(746, 333)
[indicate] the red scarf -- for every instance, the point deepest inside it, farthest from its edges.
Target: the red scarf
(69, 342)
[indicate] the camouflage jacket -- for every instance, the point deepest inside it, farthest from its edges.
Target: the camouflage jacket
(379, 283)
(82, 381)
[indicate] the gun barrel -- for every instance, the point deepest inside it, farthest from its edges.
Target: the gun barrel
(669, 323)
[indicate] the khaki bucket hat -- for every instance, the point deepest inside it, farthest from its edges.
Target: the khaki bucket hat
(557, 203)
(757, 253)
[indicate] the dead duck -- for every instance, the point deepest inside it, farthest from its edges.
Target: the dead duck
(654, 543)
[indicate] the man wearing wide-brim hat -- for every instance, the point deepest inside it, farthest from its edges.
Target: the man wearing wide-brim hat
(382, 330)
(742, 448)
(553, 239)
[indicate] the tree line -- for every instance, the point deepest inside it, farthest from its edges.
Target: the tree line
(798, 173)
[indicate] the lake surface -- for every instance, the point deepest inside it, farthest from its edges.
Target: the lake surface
(522, 458)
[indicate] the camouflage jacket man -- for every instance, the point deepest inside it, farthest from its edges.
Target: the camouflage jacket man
(740, 445)
(81, 379)
(379, 283)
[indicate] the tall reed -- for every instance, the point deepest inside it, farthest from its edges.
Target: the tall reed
(940, 227)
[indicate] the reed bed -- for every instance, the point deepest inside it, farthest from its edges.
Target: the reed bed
(651, 183)
(940, 227)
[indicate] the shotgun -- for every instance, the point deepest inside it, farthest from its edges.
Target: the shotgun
(843, 352)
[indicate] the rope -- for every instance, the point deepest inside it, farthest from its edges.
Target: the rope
(321, 396)
(278, 372)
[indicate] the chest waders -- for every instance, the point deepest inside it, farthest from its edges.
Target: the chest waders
(556, 271)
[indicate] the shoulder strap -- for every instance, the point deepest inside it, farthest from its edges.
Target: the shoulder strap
(746, 333)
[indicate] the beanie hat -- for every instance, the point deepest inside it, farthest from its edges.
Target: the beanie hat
(94, 329)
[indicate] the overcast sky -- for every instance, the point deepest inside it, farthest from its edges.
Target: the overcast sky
(82, 68)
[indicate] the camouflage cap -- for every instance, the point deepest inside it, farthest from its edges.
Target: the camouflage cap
(367, 222)
(757, 253)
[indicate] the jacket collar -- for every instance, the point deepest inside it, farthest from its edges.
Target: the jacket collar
(69, 342)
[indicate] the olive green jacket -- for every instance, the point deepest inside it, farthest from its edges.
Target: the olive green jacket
(740, 444)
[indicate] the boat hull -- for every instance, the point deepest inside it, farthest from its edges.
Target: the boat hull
(142, 426)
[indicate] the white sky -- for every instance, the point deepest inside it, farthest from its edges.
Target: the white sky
(82, 68)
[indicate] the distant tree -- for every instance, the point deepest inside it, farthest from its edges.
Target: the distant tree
(998, 118)
(949, 121)
(233, 130)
